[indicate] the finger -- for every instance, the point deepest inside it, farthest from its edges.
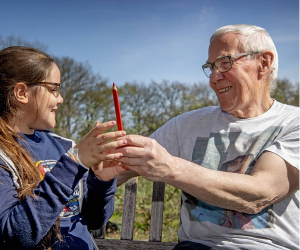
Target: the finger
(105, 147)
(101, 127)
(138, 140)
(128, 161)
(97, 123)
(133, 168)
(109, 136)
(131, 152)
(108, 157)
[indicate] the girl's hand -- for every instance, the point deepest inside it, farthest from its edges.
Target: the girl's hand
(108, 170)
(95, 147)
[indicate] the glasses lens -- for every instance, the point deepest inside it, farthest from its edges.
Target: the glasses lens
(207, 69)
(223, 64)
(52, 87)
(55, 91)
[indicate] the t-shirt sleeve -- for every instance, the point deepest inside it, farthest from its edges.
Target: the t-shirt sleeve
(167, 137)
(286, 145)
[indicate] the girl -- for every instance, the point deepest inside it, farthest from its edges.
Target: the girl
(52, 191)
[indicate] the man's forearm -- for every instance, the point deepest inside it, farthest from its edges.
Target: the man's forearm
(235, 191)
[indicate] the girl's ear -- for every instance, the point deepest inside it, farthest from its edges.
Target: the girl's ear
(21, 93)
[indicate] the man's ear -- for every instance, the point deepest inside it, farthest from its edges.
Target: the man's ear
(21, 92)
(266, 60)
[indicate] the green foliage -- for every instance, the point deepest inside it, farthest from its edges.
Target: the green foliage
(148, 107)
(87, 99)
(286, 92)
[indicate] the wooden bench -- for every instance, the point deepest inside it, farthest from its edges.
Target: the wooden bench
(155, 236)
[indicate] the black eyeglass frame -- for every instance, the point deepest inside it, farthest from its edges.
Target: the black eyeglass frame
(54, 92)
(212, 65)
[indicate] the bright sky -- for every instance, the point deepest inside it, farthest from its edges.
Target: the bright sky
(142, 40)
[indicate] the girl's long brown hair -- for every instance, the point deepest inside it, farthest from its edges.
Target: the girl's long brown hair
(29, 66)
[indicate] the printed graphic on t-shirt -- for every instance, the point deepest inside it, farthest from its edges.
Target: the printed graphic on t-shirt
(216, 152)
(45, 166)
(72, 207)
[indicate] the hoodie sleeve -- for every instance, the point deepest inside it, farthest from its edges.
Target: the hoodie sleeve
(24, 223)
(98, 205)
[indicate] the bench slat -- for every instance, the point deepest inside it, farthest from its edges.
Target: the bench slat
(157, 211)
(129, 209)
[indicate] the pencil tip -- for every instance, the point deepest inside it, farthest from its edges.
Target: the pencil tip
(114, 84)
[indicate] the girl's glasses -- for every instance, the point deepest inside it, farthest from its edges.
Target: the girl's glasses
(52, 87)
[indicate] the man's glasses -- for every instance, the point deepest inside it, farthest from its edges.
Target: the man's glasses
(52, 87)
(223, 64)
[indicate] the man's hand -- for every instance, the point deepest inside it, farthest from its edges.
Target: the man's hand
(146, 157)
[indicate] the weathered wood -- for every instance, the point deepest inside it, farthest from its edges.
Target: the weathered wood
(100, 233)
(105, 244)
(157, 211)
(129, 209)
(126, 242)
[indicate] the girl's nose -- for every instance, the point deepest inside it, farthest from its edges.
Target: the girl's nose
(60, 99)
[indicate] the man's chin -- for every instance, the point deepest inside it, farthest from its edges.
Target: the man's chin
(225, 107)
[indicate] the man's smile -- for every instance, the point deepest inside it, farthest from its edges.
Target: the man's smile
(224, 89)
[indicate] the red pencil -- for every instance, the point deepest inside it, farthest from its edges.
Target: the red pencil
(117, 107)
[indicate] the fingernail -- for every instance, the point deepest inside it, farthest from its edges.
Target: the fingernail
(113, 123)
(120, 155)
(124, 142)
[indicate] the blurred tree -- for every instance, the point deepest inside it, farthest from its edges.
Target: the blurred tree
(97, 105)
(137, 106)
(200, 95)
(148, 107)
(18, 41)
(86, 99)
(286, 92)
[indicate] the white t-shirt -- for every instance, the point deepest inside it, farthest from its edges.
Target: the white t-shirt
(217, 140)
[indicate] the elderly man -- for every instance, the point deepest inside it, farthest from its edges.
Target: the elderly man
(237, 164)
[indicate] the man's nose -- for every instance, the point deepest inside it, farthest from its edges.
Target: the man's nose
(216, 75)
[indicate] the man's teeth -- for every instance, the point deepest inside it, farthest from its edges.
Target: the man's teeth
(225, 89)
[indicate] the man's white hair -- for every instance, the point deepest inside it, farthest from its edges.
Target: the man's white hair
(253, 38)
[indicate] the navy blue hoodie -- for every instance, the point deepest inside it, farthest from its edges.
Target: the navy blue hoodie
(67, 190)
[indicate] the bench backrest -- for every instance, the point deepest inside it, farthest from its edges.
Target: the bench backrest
(155, 235)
